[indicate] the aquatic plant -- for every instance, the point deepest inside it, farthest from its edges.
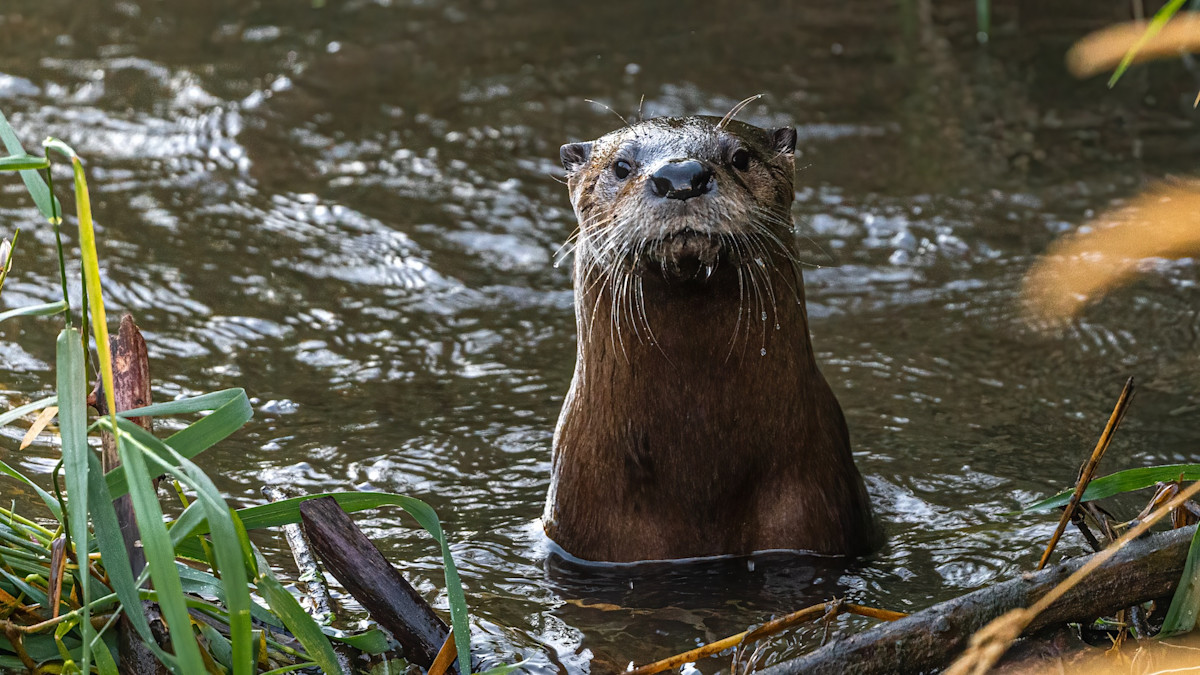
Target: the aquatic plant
(66, 582)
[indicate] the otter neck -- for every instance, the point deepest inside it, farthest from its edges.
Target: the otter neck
(728, 321)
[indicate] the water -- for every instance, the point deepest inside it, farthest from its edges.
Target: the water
(353, 211)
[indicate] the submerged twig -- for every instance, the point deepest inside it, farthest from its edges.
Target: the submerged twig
(306, 563)
(1089, 469)
(827, 610)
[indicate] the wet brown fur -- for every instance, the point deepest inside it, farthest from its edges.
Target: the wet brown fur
(693, 427)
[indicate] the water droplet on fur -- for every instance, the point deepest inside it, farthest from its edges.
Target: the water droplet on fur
(749, 565)
(764, 315)
(708, 270)
(776, 326)
(762, 352)
(556, 265)
(759, 262)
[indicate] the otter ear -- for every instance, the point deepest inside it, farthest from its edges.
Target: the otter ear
(575, 155)
(783, 140)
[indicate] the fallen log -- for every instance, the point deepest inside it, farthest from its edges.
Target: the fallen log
(355, 562)
(1144, 570)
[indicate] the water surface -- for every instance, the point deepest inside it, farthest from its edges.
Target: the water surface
(353, 211)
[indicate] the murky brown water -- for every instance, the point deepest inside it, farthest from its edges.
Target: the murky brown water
(352, 212)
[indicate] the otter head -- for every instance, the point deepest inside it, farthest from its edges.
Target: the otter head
(681, 198)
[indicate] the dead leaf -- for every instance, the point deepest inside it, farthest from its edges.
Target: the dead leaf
(39, 425)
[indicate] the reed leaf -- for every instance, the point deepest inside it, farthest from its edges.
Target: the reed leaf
(47, 498)
(116, 560)
(1185, 604)
(46, 202)
(23, 162)
(287, 511)
(230, 410)
(295, 618)
(21, 411)
(226, 539)
(48, 309)
(1122, 481)
(1161, 17)
(160, 558)
(72, 422)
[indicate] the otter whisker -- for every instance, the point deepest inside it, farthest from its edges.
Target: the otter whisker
(755, 241)
(771, 217)
(757, 230)
(619, 116)
(737, 109)
(614, 320)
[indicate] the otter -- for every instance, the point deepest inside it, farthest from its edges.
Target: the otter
(697, 422)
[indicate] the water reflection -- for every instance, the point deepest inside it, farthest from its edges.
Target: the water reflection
(352, 212)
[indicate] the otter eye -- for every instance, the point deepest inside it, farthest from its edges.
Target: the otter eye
(621, 169)
(740, 159)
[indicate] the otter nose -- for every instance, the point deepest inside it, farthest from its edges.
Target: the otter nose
(682, 179)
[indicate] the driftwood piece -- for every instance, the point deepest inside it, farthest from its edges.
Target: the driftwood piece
(355, 562)
(131, 389)
(1144, 570)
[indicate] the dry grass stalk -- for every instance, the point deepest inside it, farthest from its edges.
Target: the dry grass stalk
(824, 610)
(1089, 469)
(445, 656)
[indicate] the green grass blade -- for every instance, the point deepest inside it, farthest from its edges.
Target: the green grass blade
(160, 558)
(296, 619)
(104, 660)
(91, 269)
(288, 511)
(1156, 24)
(232, 410)
(372, 641)
(45, 201)
(1122, 481)
(48, 309)
(226, 539)
(21, 585)
(23, 162)
(21, 411)
(203, 403)
(116, 559)
(72, 422)
(1181, 616)
(47, 498)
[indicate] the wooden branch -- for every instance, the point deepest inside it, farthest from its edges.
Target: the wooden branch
(1144, 570)
(131, 389)
(355, 562)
